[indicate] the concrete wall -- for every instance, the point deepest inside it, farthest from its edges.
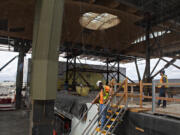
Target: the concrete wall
(151, 124)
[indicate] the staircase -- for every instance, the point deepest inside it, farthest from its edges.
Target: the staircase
(114, 116)
(113, 119)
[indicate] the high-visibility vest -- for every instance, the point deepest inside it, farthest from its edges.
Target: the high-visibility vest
(104, 95)
(161, 81)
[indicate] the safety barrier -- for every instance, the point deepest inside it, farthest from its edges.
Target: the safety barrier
(141, 96)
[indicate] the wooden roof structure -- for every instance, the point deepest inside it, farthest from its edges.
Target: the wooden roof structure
(17, 17)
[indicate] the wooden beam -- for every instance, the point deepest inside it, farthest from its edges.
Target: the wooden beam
(126, 91)
(164, 98)
(141, 94)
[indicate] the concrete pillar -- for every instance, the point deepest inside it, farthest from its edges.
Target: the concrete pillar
(46, 41)
(19, 78)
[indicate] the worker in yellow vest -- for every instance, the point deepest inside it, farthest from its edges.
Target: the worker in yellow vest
(103, 97)
(163, 88)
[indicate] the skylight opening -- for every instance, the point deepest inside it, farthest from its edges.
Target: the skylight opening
(156, 34)
(96, 21)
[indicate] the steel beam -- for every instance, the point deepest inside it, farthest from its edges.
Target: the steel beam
(8, 63)
(127, 77)
(137, 70)
(155, 66)
(166, 66)
(171, 64)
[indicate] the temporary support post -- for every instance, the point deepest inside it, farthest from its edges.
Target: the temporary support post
(74, 74)
(132, 91)
(115, 90)
(153, 97)
(19, 78)
(141, 94)
(118, 76)
(46, 41)
(107, 69)
(67, 71)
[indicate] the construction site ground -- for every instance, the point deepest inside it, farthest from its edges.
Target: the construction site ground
(17, 122)
(14, 122)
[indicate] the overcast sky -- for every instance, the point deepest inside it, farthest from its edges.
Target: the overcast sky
(9, 73)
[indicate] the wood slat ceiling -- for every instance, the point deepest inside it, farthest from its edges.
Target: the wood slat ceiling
(20, 15)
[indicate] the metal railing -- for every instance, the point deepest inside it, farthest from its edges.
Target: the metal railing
(141, 96)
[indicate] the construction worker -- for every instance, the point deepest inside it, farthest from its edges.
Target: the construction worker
(103, 97)
(163, 88)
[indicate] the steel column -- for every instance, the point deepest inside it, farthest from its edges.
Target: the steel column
(67, 70)
(148, 51)
(74, 74)
(19, 78)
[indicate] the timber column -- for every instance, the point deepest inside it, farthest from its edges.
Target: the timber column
(46, 41)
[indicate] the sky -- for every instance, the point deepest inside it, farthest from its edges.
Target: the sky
(9, 73)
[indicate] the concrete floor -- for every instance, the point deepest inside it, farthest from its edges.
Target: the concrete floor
(14, 122)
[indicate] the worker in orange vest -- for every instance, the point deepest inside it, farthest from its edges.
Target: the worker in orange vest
(103, 97)
(163, 88)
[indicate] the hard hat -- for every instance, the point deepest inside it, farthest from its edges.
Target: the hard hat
(107, 88)
(98, 83)
(162, 72)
